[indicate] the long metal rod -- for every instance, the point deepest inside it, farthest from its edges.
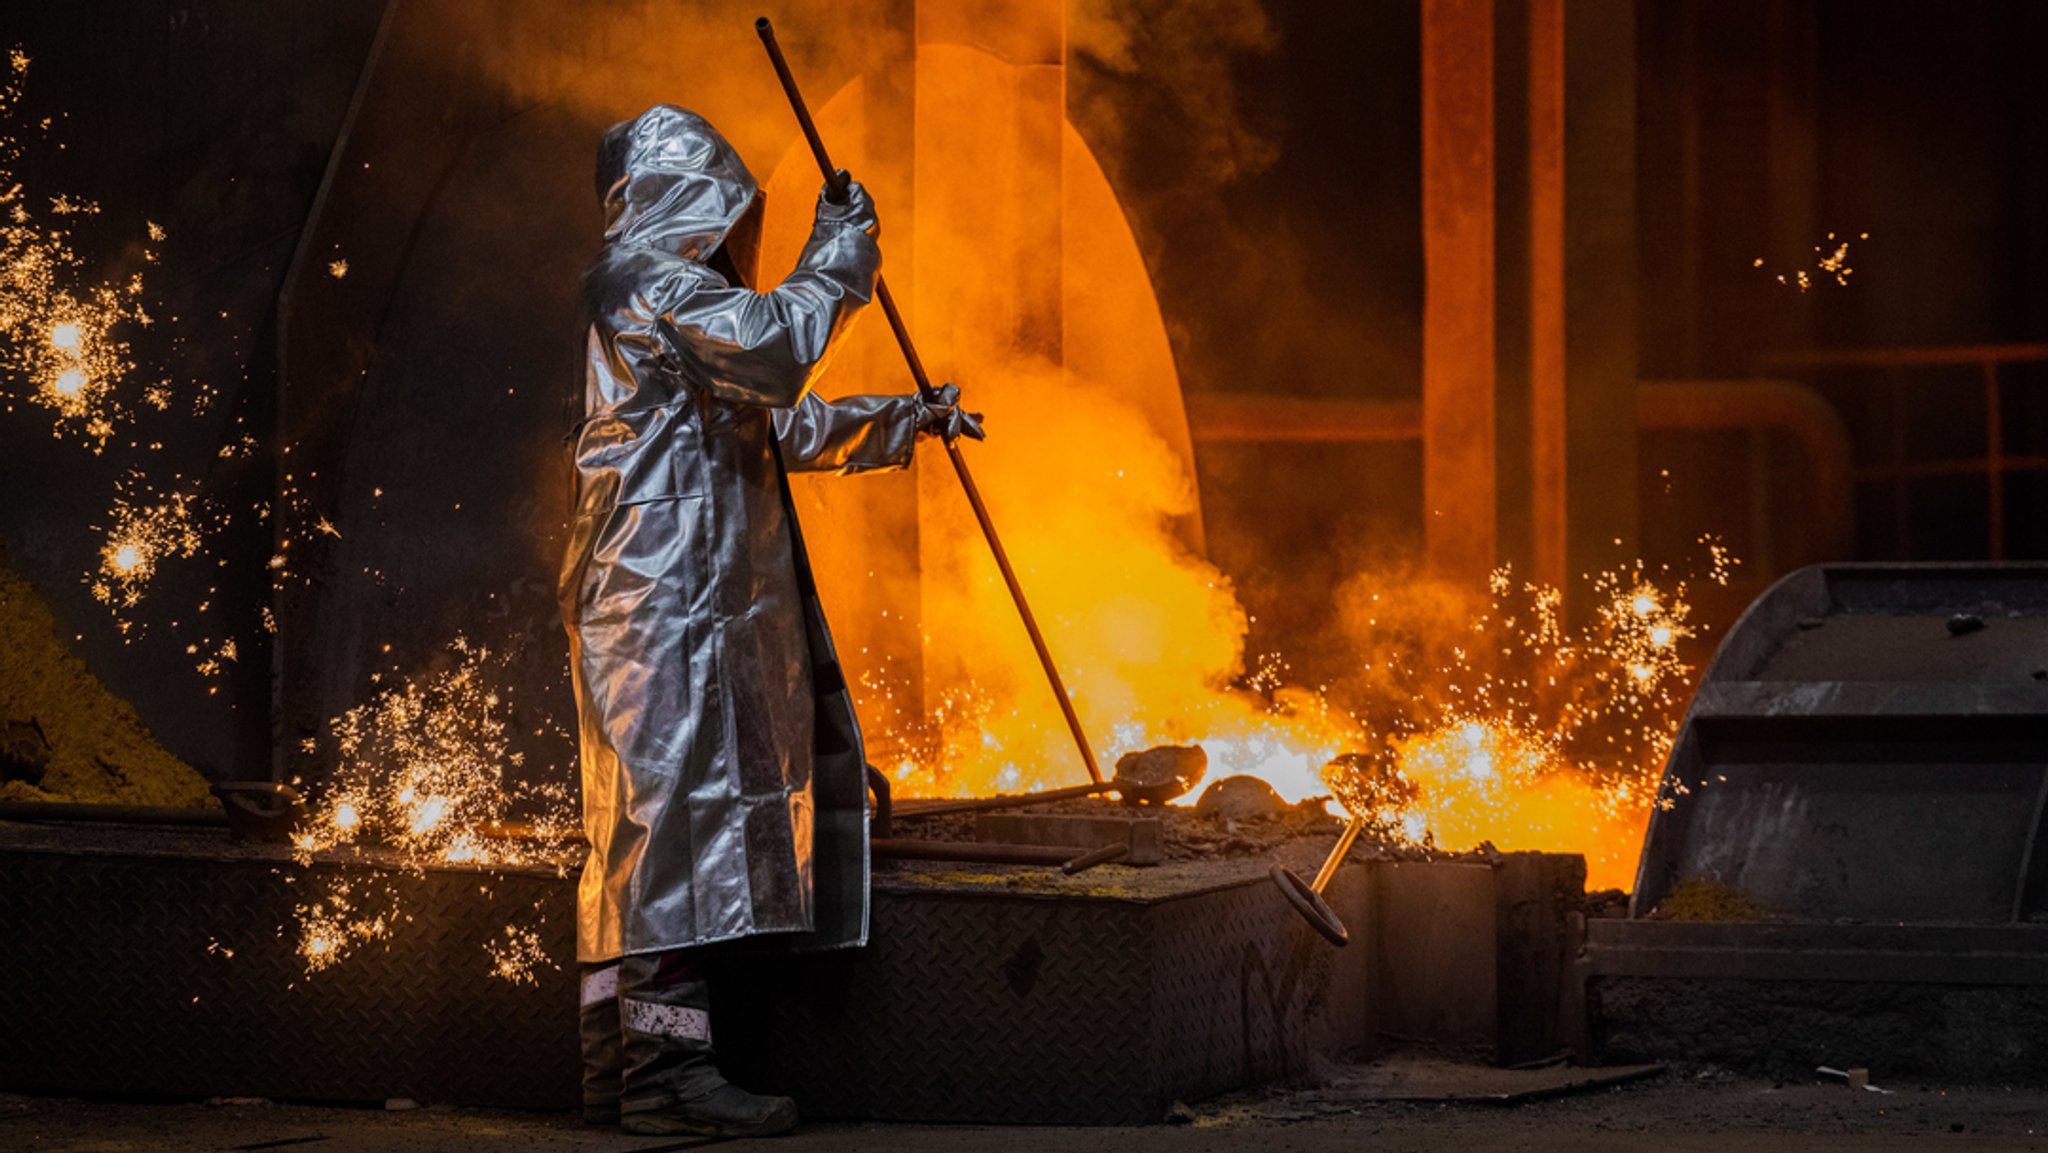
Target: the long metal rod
(110, 814)
(1070, 859)
(910, 810)
(837, 192)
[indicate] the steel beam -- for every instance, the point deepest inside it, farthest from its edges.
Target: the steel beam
(1458, 371)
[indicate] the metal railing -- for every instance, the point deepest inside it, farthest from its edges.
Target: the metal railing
(1782, 406)
(1898, 470)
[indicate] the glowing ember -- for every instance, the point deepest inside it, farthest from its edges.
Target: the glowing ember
(1508, 724)
(59, 333)
(1496, 781)
(1470, 721)
(146, 530)
(1520, 732)
(331, 927)
(519, 956)
(1833, 260)
(423, 778)
(424, 769)
(427, 814)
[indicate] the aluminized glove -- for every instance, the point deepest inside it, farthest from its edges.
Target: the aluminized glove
(945, 418)
(857, 210)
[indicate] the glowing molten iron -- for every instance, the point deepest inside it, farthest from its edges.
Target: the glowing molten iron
(1477, 721)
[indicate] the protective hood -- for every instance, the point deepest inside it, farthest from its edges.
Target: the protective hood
(670, 181)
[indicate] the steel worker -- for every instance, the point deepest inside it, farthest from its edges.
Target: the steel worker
(724, 791)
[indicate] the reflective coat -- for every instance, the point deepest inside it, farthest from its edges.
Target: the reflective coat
(723, 774)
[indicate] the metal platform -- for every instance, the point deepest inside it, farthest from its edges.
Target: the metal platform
(1102, 1006)
(162, 963)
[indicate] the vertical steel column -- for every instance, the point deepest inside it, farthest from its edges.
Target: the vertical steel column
(1548, 480)
(1994, 459)
(1458, 482)
(1600, 284)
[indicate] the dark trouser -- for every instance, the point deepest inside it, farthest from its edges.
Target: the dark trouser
(646, 1029)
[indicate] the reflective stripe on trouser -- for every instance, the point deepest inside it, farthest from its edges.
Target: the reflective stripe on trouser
(665, 1018)
(598, 1028)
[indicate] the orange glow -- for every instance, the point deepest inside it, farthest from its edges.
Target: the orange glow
(60, 330)
(1488, 780)
(1148, 635)
(1030, 292)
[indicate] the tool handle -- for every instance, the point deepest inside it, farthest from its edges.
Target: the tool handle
(835, 180)
(1337, 854)
(835, 191)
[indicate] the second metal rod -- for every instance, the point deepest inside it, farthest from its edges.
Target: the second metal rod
(837, 191)
(1336, 856)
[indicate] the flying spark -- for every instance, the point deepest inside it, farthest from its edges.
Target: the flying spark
(423, 774)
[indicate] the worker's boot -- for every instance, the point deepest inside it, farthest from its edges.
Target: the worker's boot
(670, 1083)
(603, 1058)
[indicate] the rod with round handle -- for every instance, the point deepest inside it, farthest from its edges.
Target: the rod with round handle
(1307, 897)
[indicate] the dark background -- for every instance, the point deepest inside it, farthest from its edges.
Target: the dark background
(1272, 162)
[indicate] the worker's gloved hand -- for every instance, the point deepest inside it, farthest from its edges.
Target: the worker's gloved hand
(947, 419)
(858, 209)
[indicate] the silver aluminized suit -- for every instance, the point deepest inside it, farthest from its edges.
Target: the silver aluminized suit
(723, 773)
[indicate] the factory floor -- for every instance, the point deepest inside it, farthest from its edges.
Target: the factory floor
(1673, 1112)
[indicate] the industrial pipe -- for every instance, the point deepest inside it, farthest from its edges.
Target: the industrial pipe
(1778, 405)
(1663, 405)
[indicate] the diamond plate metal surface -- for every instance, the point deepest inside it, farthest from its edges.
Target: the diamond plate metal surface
(1038, 1010)
(164, 976)
(976, 1000)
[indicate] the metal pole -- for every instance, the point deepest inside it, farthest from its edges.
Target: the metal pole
(836, 192)
(1336, 856)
